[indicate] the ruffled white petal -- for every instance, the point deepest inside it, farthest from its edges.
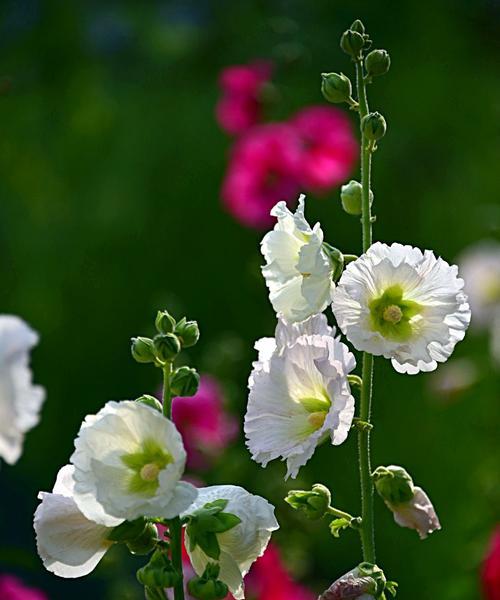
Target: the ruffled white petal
(426, 280)
(102, 480)
(69, 544)
(301, 366)
(298, 272)
(20, 400)
(241, 545)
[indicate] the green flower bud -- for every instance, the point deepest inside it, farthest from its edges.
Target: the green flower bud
(143, 350)
(150, 401)
(366, 569)
(313, 503)
(357, 26)
(164, 322)
(352, 43)
(184, 382)
(336, 260)
(351, 195)
(145, 542)
(377, 63)
(159, 572)
(374, 126)
(393, 484)
(188, 332)
(128, 530)
(336, 87)
(208, 587)
(167, 346)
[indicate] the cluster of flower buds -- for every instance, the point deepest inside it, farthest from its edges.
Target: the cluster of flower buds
(409, 504)
(366, 581)
(172, 337)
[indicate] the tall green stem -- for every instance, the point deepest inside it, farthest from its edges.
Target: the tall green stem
(367, 528)
(175, 527)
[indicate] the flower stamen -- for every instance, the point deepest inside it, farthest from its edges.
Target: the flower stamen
(392, 314)
(149, 472)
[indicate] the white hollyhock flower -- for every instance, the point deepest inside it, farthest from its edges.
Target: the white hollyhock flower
(401, 303)
(298, 272)
(128, 463)
(480, 267)
(69, 544)
(20, 400)
(241, 545)
(299, 393)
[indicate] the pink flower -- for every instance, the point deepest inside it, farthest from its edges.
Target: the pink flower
(490, 573)
(240, 107)
(12, 588)
(205, 428)
(329, 147)
(263, 169)
(270, 580)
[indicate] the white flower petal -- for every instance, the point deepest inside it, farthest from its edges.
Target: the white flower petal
(69, 544)
(241, 545)
(102, 478)
(418, 514)
(298, 272)
(20, 400)
(428, 282)
(299, 395)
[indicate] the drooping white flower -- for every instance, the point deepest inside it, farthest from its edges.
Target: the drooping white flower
(353, 585)
(69, 544)
(20, 400)
(418, 513)
(128, 463)
(241, 545)
(298, 272)
(404, 304)
(299, 393)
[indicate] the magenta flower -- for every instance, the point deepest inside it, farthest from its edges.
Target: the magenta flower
(263, 169)
(12, 588)
(490, 573)
(329, 147)
(240, 107)
(205, 427)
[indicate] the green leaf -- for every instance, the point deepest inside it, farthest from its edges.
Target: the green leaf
(337, 525)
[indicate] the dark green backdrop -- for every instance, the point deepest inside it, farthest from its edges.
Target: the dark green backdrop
(110, 169)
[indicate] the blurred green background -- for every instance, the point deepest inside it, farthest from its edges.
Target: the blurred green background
(110, 169)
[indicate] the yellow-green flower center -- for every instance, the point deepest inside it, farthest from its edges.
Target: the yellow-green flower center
(392, 315)
(317, 407)
(145, 466)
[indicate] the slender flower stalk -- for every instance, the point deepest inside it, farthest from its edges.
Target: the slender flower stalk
(175, 527)
(367, 528)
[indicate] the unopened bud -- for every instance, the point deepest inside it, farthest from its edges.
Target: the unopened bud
(150, 401)
(167, 346)
(373, 126)
(188, 332)
(352, 43)
(336, 259)
(377, 63)
(351, 195)
(164, 322)
(336, 88)
(393, 484)
(184, 382)
(143, 350)
(208, 587)
(159, 572)
(357, 26)
(313, 503)
(145, 542)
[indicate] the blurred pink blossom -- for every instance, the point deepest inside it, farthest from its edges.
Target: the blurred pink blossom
(262, 170)
(490, 574)
(205, 427)
(269, 580)
(12, 588)
(240, 105)
(329, 147)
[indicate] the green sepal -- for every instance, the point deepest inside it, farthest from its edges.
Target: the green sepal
(393, 484)
(313, 503)
(208, 587)
(337, 525)
(145, 542)
(184, 382)
(150, 401)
